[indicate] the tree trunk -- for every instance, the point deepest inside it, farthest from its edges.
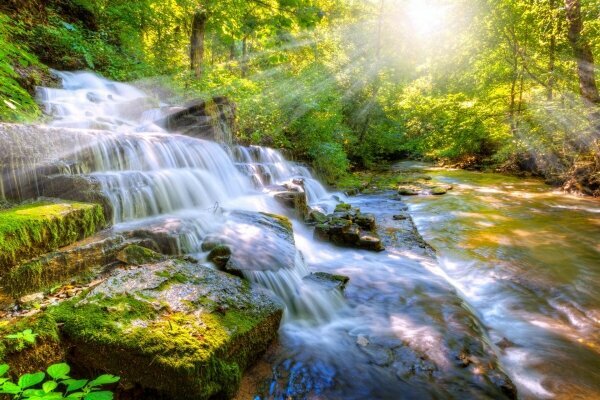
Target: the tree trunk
(197, 42)
(555, 27)
(245, 56)
(583, 53)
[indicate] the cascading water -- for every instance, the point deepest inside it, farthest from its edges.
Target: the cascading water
(400, 331)
(168, 179)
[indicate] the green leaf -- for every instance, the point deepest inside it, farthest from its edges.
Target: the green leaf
(49, 386)
(10, 388)
(75, 384)
(104, 395)
(33, 393)
(59, 371)
(28, 380)
(4, 369)
(104, 380)
(77, 395)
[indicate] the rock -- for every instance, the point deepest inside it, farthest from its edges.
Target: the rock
(77, 188)
(438, 191)
(370, 243)
(220, 256)
(327, 281)
(212, 119)
(32, 298)
(322, 232)
(137, 255)
(296, 201)
(505, 344)
(343, 207)
(366, 221)
(351, 235)
(400, 217)
(182, 330)
(318, 217)
(407, 191)
(258, 242)
(33, 229)
(211, 242)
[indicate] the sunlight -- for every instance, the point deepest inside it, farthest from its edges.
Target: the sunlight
(426, 17)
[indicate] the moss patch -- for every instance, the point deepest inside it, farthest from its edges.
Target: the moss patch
(179, 328)
(30, 230)
(26, 357)
(138, 255)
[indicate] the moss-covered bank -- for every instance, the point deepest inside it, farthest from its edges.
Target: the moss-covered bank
(33, 229)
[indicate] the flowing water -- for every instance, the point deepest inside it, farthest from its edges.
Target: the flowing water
(517, 264)
(528, 260)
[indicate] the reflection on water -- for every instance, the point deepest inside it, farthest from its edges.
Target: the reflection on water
(528, 260)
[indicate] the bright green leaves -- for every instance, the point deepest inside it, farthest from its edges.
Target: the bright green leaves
(59, 371)
(58, 386)
(22, 338)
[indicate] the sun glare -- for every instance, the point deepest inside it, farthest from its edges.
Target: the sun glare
(426, 16)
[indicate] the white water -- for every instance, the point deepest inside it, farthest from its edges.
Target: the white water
(184, 184)
(399, 329)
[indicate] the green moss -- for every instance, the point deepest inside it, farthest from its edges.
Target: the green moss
(343, 207)
(181, 329)
(284, 221)
(46, 350)
(138, 255)
(33, 229)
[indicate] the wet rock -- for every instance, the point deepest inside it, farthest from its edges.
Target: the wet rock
(178, 329)
(343, 207)
(400, 217)
(211, 242)
(371, 243)
(137, 255)
(77, 188)
(366, 221)
(439, 190)
(258, 242)
(220, 256)
(212, 119)
(505, 344)
(327, 281)
(407, 191)
(296, 201)
(318, 217)
(351, 235)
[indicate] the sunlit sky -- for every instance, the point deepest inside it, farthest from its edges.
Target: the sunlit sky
(426, 16)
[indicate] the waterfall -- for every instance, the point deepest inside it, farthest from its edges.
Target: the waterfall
(176, 182)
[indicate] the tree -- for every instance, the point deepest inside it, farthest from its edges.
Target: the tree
(197, 41)
(583, 53)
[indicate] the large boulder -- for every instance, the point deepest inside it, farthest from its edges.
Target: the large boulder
(212, 119)
(176, 329)
(256, 242)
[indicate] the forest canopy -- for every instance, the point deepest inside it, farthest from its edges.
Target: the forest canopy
(341, 84)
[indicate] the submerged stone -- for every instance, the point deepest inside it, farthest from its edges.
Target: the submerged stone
(327, 281)
(407, 191)
(220, 255)
(177, 328)
(33, 229)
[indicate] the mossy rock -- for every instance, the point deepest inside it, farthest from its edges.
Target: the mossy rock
(64, 264)
(326, 281)
(25, 357)
(178, 328)
(407, 191)
(343, 207)
(439, 191)
(138, 255)
(33, 229)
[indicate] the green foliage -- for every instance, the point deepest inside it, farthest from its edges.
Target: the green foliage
(22, 339)
(15, 103)
(55, 384)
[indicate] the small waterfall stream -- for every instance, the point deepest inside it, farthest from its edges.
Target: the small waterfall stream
(402, 330)
(155, 177)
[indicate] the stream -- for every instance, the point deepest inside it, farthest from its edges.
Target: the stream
(510, 296)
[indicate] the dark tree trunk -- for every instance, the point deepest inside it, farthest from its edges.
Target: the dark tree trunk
(583, 53)
(197, 42)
